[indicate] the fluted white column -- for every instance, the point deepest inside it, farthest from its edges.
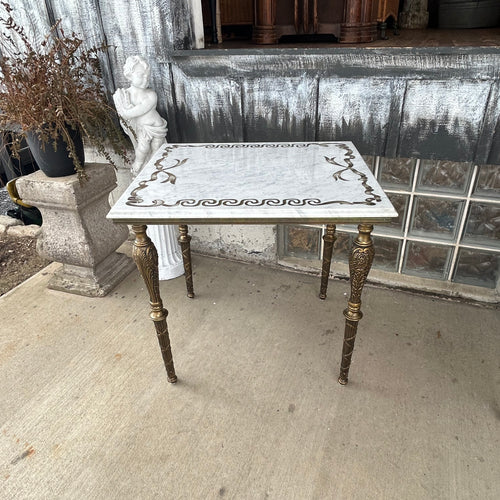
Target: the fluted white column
(170, 264)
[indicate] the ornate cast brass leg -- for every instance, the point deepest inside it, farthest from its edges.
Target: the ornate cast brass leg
(184, 241)
(146, 259)
(360, 263)
(329, 239)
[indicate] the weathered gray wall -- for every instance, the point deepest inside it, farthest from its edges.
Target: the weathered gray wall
(429, 103)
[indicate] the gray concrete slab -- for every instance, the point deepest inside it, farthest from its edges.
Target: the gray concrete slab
(86, 410)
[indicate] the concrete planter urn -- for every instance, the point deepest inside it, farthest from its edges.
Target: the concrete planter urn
(75, 231)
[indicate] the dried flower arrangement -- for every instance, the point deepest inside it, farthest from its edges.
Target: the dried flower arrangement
(56, 88)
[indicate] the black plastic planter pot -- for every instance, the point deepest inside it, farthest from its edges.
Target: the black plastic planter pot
(55, 162)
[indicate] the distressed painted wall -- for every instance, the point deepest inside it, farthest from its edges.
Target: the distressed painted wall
(427, 103)
(440, 103)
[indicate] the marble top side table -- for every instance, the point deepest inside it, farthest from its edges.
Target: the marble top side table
(255, 183)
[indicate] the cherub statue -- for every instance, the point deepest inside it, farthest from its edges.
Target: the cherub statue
(137, 109)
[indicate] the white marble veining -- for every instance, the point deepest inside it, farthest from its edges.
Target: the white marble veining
(254, 182)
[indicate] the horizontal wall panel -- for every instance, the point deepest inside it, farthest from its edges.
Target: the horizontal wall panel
(488, 150)
(443, 119)
(357, 110)
(426, 63)
(279, 109)
(207, 109)
(428, 103)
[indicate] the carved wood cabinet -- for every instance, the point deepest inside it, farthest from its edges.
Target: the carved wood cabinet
(386, 9)
(350, 21)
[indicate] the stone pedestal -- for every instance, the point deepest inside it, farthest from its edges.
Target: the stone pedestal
(75, 230)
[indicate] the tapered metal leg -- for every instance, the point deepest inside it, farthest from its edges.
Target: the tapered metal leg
(146, 259)
(329, 240)
(185, 243)
(360, 262)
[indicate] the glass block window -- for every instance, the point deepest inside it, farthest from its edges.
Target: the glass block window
(483, 224)
(396, 172)
(435, 216)
(388, 252)
(370, 161)
(343, 245)
(488, 182)
(426, 260)
(477, 268)
(444, 176)
(302, 242)
(448, 226)
(400, 203)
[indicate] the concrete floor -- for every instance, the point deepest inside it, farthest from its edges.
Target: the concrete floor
(87, 413)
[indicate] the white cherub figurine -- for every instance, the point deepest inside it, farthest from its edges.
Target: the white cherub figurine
(137, 109)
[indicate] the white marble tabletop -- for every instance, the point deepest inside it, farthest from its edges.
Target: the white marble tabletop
(314, 182)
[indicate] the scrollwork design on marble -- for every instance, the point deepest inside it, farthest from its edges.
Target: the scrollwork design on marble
(263, 145)
(135, 199)
(246, 202)
(349, 166)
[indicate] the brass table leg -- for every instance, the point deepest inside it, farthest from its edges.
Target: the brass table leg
(329, 239)
(360, 262)
(184, 241)
(146, 259)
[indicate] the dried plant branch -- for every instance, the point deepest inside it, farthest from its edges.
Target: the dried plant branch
(57, 85)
